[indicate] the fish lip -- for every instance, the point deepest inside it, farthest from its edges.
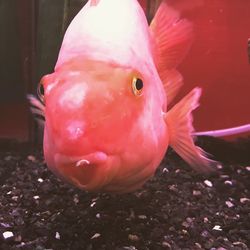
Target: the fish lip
(95, 158)
(83, 162)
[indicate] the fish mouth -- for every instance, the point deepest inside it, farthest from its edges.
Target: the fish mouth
(85, 172)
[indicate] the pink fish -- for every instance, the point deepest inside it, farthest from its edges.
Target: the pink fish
(107, 126)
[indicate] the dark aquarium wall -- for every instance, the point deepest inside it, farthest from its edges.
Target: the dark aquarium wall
(31, 34)
(13, 119)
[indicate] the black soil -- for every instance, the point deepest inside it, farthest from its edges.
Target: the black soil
(177, 209)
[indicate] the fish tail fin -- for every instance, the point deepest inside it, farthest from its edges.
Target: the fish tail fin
(179, 121)
(37, 109)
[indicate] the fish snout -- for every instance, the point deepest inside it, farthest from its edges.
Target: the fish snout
(75, 130)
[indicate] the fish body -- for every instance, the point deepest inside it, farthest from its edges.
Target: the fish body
(106, 122)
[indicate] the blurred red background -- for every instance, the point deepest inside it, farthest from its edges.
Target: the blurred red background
(218, 61)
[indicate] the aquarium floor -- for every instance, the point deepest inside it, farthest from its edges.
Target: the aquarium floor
(177, 209)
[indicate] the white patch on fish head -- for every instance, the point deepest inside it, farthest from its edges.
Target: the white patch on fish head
(74, 96)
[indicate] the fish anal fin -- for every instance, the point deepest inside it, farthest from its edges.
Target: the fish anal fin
(179, 121)
(172, 81)
(173, 37)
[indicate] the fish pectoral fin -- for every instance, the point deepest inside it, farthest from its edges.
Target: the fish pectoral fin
(179, 121)
(172, 82)
(172, 37)
(37, 109)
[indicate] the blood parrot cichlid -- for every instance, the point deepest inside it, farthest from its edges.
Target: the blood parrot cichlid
(107, 126)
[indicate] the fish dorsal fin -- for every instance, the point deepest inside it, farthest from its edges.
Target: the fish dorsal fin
(173, 37)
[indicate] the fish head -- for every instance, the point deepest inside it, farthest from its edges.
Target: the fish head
(104, 128)
(97, 120)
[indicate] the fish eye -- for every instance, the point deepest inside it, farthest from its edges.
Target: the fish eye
(137, 86)
(40, 92)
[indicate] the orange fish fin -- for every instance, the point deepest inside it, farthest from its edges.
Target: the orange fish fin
(37, 108)
(173, 37)
(172, 82)
(179, 121)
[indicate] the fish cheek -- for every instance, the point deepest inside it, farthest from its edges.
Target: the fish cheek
(63, 115)
(110, 121)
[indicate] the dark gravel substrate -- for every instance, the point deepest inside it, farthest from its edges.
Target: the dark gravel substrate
(177, 209)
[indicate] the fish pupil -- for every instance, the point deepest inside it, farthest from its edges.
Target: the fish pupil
(139, 84)
(40, 92)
